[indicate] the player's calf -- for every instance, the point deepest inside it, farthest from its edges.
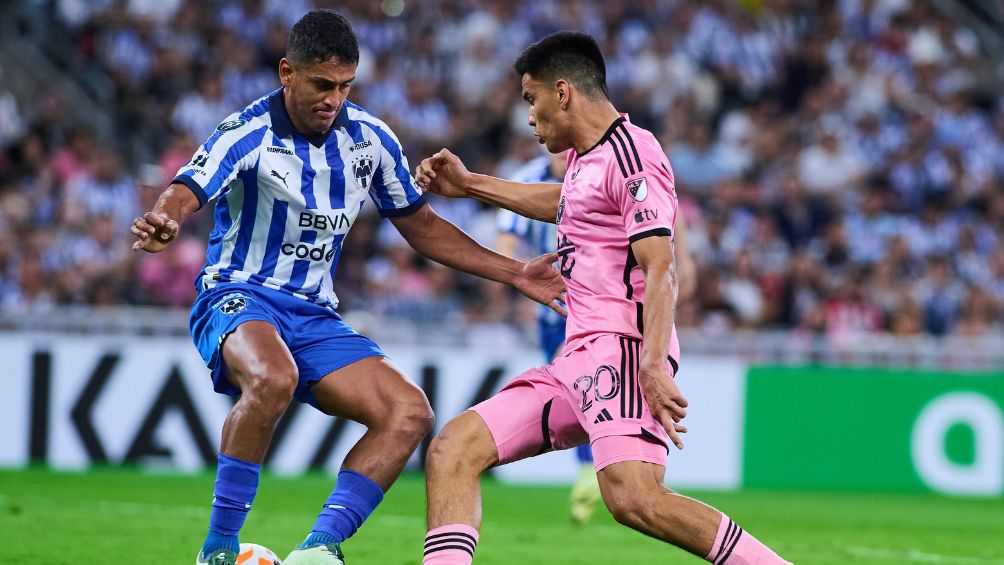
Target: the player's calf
(637, 498)
(458, 455)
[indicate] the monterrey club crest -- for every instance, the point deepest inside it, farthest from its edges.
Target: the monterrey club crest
(638, 189)
(362, 171)
(232, 303)
(561, 210)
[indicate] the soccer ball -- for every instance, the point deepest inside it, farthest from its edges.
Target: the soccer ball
(254, 554)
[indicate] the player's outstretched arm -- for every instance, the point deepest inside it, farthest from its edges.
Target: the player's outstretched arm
(655, 257)
(160, 226)
(434, 237)
(445, 174)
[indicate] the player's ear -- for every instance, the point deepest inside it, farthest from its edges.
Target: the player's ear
(285, 71)
(564, 91)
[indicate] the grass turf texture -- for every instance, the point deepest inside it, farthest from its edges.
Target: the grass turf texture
(130, 516)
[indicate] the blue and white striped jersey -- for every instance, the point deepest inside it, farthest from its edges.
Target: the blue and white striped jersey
(540, 237)
(285, 201)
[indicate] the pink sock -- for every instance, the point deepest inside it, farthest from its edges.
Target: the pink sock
(734, 546)
(452, 544)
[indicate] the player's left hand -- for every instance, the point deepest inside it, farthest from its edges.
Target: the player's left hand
(543, 283)
(664, 398)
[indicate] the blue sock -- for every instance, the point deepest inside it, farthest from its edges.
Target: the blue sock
(584, 453)
(236, 485)
(353, 500)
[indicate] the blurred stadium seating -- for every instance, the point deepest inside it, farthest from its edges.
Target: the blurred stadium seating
(840, 163)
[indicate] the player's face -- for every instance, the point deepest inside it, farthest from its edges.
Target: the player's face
(315, 93)
(545, 115)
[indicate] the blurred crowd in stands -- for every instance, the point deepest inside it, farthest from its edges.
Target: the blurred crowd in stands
(840, 164)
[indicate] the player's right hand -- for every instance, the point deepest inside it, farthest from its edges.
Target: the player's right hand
(154, 231)
(664, 399)
(444, 174)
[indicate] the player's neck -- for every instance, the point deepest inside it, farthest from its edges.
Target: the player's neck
(593, 122)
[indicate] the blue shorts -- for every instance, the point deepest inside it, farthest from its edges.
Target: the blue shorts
(316, 336)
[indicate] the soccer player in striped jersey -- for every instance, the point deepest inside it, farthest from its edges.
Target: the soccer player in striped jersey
(289, 174)
(613, 383)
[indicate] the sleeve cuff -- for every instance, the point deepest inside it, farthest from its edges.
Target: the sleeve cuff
(406, 211)
(200, 193)
(650, 233)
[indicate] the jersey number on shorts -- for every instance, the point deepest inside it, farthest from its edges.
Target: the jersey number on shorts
(586, 383)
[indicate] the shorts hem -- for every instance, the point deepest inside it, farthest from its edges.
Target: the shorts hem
(344, 362)
(491, 432)
(600, 465)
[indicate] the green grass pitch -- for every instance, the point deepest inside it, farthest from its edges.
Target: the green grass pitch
(110, 516)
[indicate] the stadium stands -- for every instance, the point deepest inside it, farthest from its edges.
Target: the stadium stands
(841, 167)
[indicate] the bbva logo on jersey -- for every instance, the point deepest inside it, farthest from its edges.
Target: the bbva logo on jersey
(362, 171)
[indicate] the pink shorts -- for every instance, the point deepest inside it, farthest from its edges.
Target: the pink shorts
(589, 394)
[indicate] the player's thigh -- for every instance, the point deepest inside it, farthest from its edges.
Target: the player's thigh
(530, 416)
(254, 353)
(371, 391)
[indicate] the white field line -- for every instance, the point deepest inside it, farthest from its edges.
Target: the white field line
(912, 555)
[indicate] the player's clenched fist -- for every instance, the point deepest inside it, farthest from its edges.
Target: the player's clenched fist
(154, 231)
(444, 174)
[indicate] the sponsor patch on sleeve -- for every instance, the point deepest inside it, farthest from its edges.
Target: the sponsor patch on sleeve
(230, 124)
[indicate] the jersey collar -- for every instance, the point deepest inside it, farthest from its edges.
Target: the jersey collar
(282, 126)
(610, 130)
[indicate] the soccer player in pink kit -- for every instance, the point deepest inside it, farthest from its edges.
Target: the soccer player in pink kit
(613, 383)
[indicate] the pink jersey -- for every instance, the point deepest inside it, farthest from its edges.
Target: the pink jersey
(619, 191)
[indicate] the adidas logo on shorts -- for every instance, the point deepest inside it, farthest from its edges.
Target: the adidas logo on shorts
(604, 416)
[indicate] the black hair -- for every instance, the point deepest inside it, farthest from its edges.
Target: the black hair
(321, 35)
(568, 55)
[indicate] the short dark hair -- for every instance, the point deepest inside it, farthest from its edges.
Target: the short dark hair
(321, 35)
(569, 55)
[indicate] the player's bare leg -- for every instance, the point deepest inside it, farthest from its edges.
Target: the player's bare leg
(636, 496)
(259, 364)
(394, 410)
(397, 416)
(458, 455)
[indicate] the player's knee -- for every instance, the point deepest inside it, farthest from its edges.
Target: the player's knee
(459, 449)
(270, 388)
(629, 508)
(413, 420)
(629, 503)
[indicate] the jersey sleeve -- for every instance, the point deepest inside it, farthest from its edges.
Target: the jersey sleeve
(233, 147)
(643, 193)
(393, 189)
